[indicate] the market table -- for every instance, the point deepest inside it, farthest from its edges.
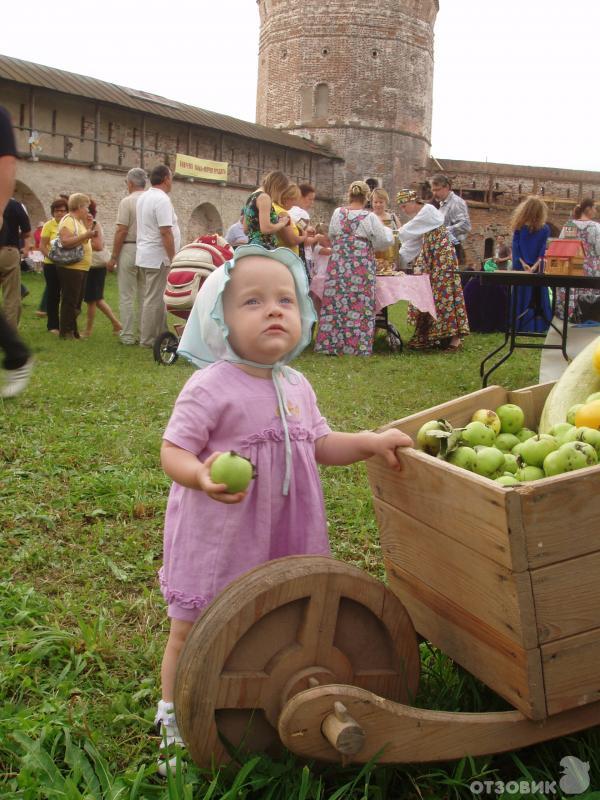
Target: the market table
(389, 289)
(513, 279)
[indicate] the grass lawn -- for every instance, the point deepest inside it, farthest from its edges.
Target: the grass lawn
(82, 622)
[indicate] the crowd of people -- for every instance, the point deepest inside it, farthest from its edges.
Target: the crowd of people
(363, 239)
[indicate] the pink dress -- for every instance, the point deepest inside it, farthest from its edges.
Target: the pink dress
(208, 544)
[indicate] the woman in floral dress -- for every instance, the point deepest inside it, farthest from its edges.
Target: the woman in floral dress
(347, 315)
(261, 221)
(584, 227)
(438, 260)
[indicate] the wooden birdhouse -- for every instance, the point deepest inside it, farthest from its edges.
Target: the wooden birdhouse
(564, 257)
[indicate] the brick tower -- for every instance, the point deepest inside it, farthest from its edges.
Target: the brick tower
(356, 76)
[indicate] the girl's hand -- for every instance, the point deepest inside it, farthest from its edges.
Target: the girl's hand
(217, 491)
(386, 444)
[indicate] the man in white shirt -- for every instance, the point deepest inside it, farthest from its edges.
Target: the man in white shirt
(123, 257)
(158, 239)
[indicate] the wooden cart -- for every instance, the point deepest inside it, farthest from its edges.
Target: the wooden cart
(319, 656)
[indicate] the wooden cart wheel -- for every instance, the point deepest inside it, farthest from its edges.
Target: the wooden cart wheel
(278, 630)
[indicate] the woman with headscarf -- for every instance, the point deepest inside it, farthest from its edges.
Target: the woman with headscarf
(426, 238)
(347, 315)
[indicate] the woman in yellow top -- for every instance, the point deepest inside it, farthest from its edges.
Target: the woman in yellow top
(49, 232)
(291, 235)
(72, 232)
(387, 260)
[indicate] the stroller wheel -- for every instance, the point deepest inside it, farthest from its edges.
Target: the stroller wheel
(165, 348)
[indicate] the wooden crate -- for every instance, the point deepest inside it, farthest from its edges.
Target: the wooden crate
(503, 580)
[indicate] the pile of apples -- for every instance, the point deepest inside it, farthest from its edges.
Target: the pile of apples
(496, 445)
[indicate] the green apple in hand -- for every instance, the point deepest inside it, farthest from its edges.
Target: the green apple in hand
(233, 470)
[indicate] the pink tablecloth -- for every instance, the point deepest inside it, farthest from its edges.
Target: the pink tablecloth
(390, 289)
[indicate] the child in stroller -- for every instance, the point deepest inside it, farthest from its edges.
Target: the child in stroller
(190, 267)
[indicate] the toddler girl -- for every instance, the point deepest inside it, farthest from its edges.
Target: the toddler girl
(251, 317)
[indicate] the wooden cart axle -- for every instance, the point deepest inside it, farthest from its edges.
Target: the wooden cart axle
(397, 733)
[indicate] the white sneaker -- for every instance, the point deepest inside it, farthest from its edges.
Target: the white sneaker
(170, 738)
(15, 380)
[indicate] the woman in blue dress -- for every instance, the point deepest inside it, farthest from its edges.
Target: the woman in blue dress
(530, 234)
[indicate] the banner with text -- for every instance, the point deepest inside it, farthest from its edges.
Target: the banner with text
(201, 168)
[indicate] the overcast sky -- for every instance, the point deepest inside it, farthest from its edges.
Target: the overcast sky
(516, 81)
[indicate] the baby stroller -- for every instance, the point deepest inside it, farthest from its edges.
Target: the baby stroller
(189, 269)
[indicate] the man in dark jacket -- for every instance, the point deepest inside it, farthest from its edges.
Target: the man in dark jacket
(16, 228)
(18, 362)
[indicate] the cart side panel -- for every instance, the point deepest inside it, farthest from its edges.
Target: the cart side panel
(466, 507)
(457, 412)
(560, 516)
(567, 597)
(500, 598)
(571, 671)
(511, 671)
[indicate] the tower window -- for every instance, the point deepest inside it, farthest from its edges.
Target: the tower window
(284, 53)
(375, 53)
(324, 52)
(321, 100)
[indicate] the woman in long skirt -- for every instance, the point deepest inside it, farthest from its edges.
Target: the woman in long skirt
(347, 315)
(530, 235)
(438, 260)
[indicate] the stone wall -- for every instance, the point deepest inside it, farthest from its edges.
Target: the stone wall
(70, 160)
(358, 80)
(494, 190)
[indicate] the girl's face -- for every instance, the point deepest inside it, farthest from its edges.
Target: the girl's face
(378, 206)
(59, 213)
(261, 310)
